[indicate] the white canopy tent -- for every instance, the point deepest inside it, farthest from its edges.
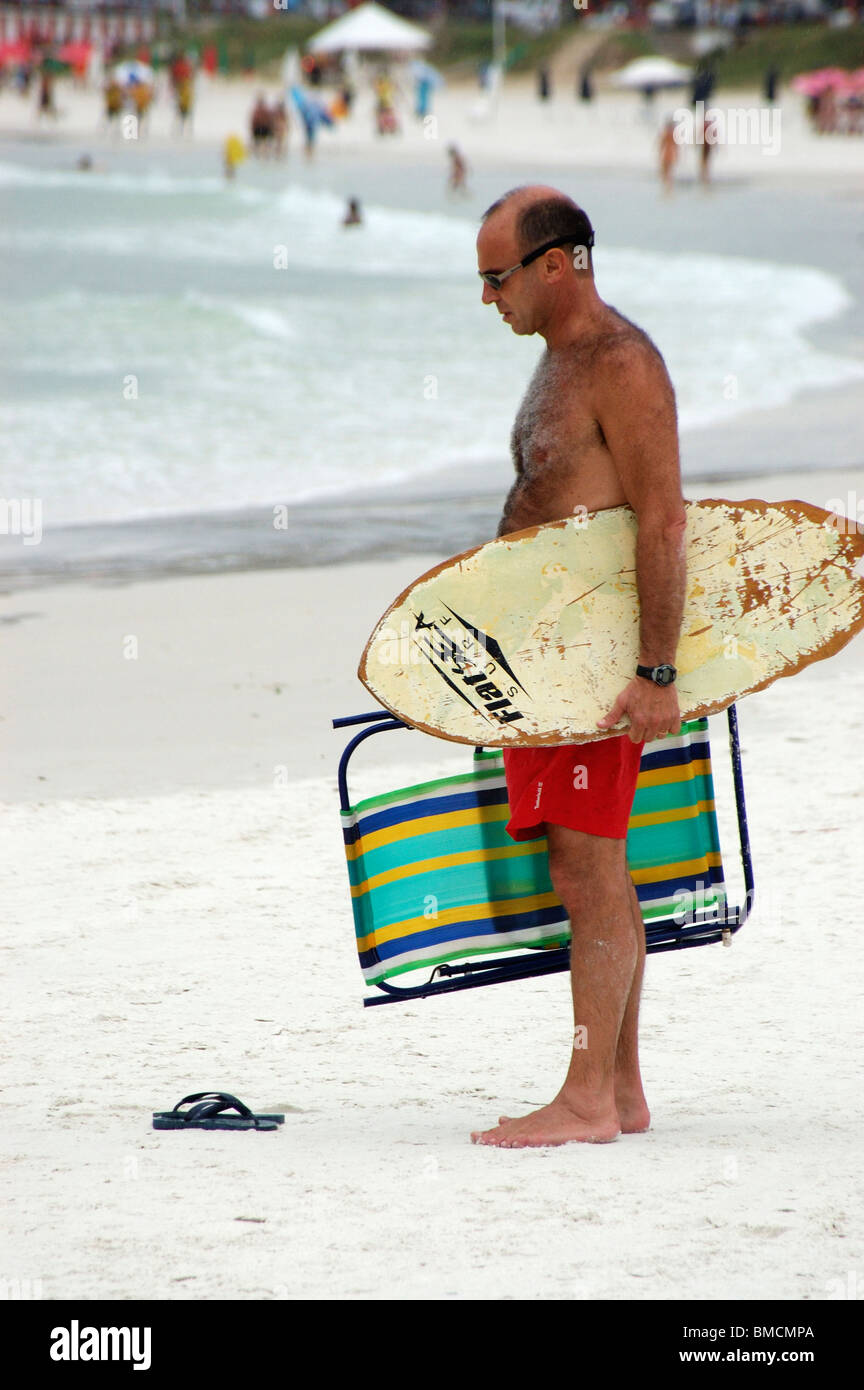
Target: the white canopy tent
(369, 28)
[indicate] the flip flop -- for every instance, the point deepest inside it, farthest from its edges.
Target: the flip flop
(209, 1114)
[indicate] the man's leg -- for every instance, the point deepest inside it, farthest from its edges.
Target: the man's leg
(590, 877)
(629, 1095)
(630, 1102)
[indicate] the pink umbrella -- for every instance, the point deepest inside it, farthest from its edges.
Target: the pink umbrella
(813, 83)
(834, 74)
(809, 84)
(846, 87)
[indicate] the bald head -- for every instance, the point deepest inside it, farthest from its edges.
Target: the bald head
(538, 213)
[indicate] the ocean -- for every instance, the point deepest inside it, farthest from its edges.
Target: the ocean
(184, 360)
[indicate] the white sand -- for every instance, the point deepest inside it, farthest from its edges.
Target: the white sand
(197, 934)
(612, 132)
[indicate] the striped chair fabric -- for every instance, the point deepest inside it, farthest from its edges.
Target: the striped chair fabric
(435, 877)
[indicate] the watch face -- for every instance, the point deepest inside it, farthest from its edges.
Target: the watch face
(664, 675)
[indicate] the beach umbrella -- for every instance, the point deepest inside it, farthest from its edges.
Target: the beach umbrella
(808, 84)
(652, 72)
(811, 84)
(18, 51)
(369, 28)
(833, 75)
(852, 83)
(76, 53)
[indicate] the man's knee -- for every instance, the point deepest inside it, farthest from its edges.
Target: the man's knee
(584, 866)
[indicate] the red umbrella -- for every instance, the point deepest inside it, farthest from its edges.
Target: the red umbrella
(17, 52)
(77, 53)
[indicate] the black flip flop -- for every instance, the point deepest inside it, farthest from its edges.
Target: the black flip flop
(208, 1113)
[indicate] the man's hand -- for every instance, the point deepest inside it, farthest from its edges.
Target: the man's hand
(653, 710)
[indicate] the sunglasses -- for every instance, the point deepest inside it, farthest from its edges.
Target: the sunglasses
(496, 280)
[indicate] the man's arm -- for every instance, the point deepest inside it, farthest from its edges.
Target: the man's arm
(635, 407)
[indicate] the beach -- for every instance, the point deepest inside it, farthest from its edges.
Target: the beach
(179, 921)
(178, 880)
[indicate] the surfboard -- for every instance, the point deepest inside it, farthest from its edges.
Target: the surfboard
(527, 640)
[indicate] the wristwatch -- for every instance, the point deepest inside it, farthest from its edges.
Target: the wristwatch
(660, 675)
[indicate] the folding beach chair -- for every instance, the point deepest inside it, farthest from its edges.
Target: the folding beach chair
(438, 885)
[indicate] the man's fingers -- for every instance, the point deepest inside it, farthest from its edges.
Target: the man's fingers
(663, 731)
(645, 722)
(613, 716)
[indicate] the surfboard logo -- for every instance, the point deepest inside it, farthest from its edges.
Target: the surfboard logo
(472, 663)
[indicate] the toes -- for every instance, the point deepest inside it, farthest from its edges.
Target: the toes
(493, 1138)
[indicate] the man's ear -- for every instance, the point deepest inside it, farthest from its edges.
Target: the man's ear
(560, 262)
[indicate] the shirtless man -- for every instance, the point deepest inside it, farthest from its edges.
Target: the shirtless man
(597, 428)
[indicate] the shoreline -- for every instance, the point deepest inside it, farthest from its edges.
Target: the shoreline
(226, 679)
(459, 508)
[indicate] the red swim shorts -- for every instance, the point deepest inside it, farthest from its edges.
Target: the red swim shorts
(585, 786)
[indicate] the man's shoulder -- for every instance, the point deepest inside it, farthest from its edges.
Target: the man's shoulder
(626, 360)
(624, 343)
(616, 344)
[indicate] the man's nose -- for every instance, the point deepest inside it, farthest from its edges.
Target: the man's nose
(489, 295)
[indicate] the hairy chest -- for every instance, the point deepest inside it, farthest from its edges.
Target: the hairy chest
(555, 422)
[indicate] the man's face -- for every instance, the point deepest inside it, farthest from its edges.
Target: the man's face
(497, 250)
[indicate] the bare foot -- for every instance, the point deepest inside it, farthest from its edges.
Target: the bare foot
(558, 1123)
(633, 1113)
(631, 1104)
(634, 1116)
